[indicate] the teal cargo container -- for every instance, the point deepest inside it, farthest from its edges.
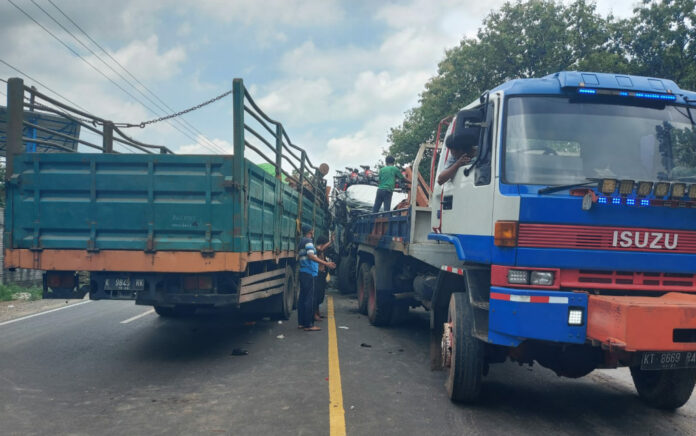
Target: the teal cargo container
(174, 231)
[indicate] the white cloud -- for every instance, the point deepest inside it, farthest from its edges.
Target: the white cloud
(201, 146)
(293, 13)
(145, 61)
(184, 29)
(364, 146)
(298, 101)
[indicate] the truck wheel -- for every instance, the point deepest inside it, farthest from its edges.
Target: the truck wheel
(664, 389)
(346, 273)
(462, 353)
(379, 304)
(399, 313)
(176, 311)
(165, 312)
(363, 285)
(283, 303)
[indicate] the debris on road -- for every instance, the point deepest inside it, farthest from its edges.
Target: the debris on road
(280, 336)
(344, 327)
(366, 345)
(239, 352)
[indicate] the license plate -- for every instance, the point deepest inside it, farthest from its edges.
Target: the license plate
(124, 284)
(668, 360)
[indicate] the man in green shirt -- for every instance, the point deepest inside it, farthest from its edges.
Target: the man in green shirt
(387, 180)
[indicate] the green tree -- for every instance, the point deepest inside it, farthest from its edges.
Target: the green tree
(660, 41)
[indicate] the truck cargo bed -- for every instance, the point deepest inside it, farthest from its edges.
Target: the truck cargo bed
(104, 203)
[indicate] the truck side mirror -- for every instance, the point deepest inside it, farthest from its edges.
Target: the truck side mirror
(467, 129)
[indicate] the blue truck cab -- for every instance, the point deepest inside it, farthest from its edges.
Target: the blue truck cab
(569, 239)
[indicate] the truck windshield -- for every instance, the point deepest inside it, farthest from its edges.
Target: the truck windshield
(552, 141)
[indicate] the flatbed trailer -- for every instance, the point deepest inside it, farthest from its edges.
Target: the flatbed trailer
(568, 241)
(178, 232)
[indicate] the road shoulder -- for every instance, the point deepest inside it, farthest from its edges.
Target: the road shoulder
(10, 310)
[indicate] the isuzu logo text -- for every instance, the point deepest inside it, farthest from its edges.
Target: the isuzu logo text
(637, 239)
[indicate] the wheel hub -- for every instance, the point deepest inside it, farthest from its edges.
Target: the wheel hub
(446, 345)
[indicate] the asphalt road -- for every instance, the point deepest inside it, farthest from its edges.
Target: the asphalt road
(113, 368)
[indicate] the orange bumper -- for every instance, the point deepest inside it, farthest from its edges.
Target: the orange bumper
(643, 323)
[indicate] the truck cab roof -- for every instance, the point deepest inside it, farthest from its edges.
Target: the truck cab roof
(558, 83)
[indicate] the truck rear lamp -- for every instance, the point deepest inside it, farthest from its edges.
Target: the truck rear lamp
(661, 189)
(626, 187)
(678, 190)
(644, 188)
(505, 234)
(607, 186)
(205, 282)
(518, 277)
(60, 279)
(542, 278)
(575, 316)
(196, 283)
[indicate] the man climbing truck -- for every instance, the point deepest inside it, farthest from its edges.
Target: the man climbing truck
(177, 232)
(569, 240)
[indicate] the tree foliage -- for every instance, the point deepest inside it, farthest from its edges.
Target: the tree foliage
(539, 37)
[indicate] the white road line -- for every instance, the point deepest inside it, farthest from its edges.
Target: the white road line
(138, 316)
(43, 313)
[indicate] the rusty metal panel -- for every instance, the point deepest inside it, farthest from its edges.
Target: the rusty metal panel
(641, 323)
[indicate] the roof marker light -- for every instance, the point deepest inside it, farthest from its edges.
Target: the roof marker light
(631, 201)
(602, 200)
(616, 200)
(587, 91)
(645, 202)
(614, 92)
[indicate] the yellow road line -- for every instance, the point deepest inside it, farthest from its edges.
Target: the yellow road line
(337, 415)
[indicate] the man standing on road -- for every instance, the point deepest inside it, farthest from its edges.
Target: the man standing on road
(387, 181)
(309, 269)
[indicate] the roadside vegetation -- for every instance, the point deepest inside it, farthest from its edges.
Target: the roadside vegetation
(15, 292)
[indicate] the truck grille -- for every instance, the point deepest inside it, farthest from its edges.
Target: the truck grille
(626, 280)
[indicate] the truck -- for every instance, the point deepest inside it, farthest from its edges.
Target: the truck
(177, 232)
(569, 240)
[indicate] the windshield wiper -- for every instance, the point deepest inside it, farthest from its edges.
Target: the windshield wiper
(550, 189)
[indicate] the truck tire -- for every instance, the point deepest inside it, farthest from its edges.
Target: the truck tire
(399, 313)
(346, 275)
(284, 302)
(463, 354)
(363, 283)
(664, 389)
(165, 312)
(174, 312)
(379, 304)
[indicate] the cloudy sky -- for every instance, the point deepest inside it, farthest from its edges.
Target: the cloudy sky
(337, 74)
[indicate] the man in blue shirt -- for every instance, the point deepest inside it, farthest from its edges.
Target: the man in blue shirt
(309, 269)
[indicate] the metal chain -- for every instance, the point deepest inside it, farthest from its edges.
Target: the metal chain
(185, 111)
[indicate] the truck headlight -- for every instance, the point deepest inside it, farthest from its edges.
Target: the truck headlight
(542, 278)
(518, 277)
